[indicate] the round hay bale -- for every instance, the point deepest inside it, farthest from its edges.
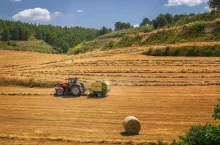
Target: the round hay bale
(132, 125)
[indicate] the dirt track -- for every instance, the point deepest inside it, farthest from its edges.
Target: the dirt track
(167, 94)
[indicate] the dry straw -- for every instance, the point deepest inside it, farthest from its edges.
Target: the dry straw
(132, 125)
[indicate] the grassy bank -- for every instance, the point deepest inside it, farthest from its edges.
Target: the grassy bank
(193, 32)
(205, 17)
(34, 46)
(4, 81)
(185, 51)
(199, 31)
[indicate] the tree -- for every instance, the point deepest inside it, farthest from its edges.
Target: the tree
(117, 26)
(160, 21)
(154, 24)
(214, 4)
(169, 18)
(14, 34)
(65, 47)
(121, 25)
(104, 31)
(38, 34)
(49, 38)
(25, 35)
(176, 18)
(5, 35)
(145, 22)
(22, 33)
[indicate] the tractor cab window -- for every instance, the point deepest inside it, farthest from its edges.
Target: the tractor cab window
(71, 81)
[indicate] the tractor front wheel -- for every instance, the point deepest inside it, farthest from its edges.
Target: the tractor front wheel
(76, 91)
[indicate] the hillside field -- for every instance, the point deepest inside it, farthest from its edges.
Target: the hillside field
(167, 94)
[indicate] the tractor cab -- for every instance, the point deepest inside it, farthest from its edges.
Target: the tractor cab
(71, 81)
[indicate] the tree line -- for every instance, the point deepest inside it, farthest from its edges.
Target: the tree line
(160, 21)
(163, 20)
(61, 38)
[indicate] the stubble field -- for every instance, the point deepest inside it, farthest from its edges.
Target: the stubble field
(167, 94)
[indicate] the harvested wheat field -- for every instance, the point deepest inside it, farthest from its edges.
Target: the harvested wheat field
(167, 95)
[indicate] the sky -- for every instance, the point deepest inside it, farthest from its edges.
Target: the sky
(94, 13)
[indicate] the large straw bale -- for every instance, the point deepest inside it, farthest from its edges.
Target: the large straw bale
(132, 125)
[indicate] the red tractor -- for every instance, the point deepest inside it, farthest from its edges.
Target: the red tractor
(73, 86)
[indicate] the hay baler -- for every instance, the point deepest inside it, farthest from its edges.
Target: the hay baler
(99, 88)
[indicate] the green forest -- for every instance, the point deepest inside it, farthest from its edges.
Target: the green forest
(61, 38)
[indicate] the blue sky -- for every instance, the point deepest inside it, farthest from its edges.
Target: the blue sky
(94, 13)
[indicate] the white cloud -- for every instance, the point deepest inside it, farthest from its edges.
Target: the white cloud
(15, 0)
(79, 11)
(36, 14)
(56, 14)
(136, 26)
(190, 3)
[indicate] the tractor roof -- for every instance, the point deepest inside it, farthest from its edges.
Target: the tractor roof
(72, 78)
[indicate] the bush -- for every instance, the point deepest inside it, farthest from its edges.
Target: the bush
(125, 42)
(109, 45)
(185, 51)
(128, 41)
(11, 43)
(216, 114)
(200, 135)
(159, 52)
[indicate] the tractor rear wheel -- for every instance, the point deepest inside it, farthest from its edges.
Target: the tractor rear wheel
(76, 91)
(59, 92)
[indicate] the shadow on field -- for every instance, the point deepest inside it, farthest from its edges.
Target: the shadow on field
(88, 96)
(69, 96)
(66, 96)
(96, 97)
(126, 134)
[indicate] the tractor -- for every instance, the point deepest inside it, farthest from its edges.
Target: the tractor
(73, 86)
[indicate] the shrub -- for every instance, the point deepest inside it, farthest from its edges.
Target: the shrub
(159, 52)
(11, 43)
(185, 51)
(200, 135)
(109, 45)
(128, 41)
(216, 114)
(125, 42)
(190, 51)
(149, 51)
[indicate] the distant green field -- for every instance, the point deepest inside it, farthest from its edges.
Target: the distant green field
(34, 46)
